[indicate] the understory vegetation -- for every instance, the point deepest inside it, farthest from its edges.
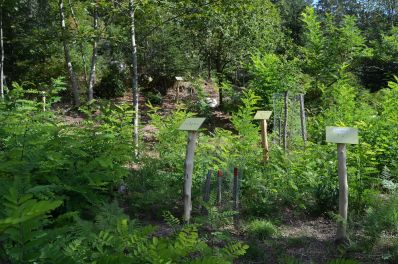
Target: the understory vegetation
(76, 187)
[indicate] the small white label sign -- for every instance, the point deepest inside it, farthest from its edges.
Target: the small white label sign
(345, 135)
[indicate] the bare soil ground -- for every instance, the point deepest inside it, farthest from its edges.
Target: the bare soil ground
(308, 240)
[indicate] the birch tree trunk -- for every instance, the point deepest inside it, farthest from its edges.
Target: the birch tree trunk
(2, 55)
(80, 44)
(91, 81)
(134, 77)
(72, 74)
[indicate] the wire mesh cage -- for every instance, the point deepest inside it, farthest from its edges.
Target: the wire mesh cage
(289, 119)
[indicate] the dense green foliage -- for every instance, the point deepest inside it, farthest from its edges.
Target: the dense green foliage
(74, 188)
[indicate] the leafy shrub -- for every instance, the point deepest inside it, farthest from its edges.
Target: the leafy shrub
(80, 163)
(112, 84)
(121, 240)
(274, 74)
(154, 98)
(383, 217)
(22, 232)
(261, 229)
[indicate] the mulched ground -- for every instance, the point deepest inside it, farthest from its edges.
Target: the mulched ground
(307, 240)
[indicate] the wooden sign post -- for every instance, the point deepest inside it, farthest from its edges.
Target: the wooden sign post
(263, 116)
(43, 94)
(342, 136)
(191, 125)
(179, 80)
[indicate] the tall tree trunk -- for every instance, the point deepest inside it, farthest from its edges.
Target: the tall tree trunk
(72, 74)
(94, 56)
(2, 55)
(84, 59)
(134, 77)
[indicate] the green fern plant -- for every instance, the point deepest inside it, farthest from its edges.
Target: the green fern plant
(22, 228)
(172, 221)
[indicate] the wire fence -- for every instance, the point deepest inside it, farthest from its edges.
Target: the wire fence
(289, 119)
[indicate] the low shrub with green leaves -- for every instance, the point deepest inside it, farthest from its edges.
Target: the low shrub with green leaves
(261, 229)
(381, 225)
(79, 163)
(114, 238)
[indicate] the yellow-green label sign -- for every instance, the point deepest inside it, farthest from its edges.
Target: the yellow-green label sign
(192, 124)
(262, 115)
(345, 135)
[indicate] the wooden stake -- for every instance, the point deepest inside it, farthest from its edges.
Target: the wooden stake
(178, 91)
(219, 187)
(235, 194)
(188, 170)
(302, 117)
(44, 101)
(341, 235)
(264, 140)
(206, 195)
(235, 189)
(280, 130)
(285, 121)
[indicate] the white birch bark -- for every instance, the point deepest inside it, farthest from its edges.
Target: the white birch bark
(134, 77)
(80, 44)
(91, 81)
(68, 60)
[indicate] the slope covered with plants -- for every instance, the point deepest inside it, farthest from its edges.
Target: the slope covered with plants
(92, 161)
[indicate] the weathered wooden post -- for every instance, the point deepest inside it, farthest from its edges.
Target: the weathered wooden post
(286, 116)
(235, 189)
(206, 191)
(263, 116)
(342, 136)
(302, 118)
(43, 94)
(219, 187)
(235, 195)
(191, 125)
(178, 79)
(206, 194)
